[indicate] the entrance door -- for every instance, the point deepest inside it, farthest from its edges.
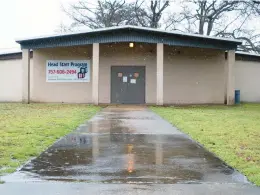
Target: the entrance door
(128, 84)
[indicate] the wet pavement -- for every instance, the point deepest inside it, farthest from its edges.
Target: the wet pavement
(130, 145)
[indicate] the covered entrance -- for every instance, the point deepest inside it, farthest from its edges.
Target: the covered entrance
(128, 84)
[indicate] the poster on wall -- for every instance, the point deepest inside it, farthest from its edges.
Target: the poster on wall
(68, 71)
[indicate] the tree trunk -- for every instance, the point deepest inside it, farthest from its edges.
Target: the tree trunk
(210, 26)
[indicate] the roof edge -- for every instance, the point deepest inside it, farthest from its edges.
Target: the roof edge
(237, 52)
(128, 27)
(247, 54)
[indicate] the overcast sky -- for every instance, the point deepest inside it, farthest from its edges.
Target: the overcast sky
(28, 18)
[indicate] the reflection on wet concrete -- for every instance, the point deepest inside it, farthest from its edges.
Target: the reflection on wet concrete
(128, 146)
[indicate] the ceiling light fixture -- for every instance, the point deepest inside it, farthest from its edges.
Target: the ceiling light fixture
(131, 45)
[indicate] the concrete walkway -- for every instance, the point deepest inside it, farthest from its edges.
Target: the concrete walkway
(130, 146)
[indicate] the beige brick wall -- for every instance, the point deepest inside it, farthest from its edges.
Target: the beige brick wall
(247, 80)
(11, 80)
(193, 76)
(59, 92)
(122, 55)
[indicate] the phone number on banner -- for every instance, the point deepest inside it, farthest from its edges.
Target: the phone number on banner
(62, 71)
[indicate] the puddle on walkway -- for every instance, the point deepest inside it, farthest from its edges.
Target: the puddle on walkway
(113, 148)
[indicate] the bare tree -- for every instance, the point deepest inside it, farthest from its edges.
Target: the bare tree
(202, 15)
(249, 37)
(106, 13)
(103, 13)
(255, 5)
(225, 18)
(251, 42)
(62, 28)
(150, 15)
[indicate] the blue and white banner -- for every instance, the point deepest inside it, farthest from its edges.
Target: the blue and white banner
(68, 71)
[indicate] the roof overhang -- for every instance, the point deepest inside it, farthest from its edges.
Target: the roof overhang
(14, 55)
(129, 34)
(245, 56)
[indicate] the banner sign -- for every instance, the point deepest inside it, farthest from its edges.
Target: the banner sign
(68, 71)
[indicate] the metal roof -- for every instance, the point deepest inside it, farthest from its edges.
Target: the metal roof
(128, 33)
(12, 55)
(128, 27)
(247, 54)
(7, 52)
(237, 52)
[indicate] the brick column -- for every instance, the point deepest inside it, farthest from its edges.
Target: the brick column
(95, 73)
(26, 76)
(230, 81)
(159, 73)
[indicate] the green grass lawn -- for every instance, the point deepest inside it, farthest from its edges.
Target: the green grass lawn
(27, 130)
(232, 133)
